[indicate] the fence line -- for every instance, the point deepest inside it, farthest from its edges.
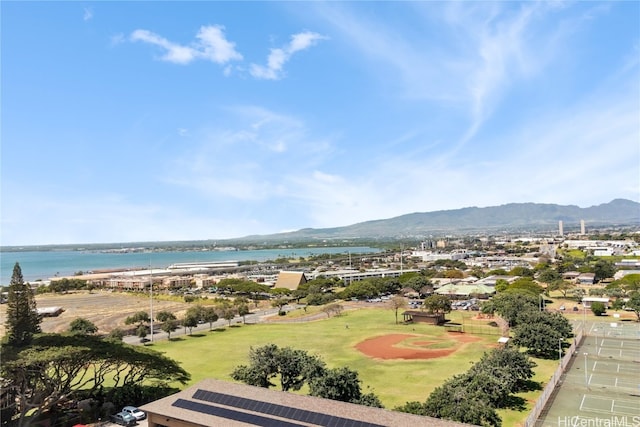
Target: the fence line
(541, 403)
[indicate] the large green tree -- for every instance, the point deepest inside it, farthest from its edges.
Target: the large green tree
(293, 367)
(22, 320)
(473, 397)
(510, 304)
(437, 304)
(457, 402)
(54, 367)
(633, 303)
(342, 384)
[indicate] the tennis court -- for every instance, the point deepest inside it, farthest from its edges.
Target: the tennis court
(602, 382)
(603, 405)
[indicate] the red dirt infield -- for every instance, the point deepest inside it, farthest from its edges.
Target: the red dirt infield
(385, 346)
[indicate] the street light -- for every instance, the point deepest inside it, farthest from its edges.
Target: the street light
(151, 298)
(560, 350)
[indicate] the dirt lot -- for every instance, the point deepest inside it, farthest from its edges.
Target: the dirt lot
(105, 309)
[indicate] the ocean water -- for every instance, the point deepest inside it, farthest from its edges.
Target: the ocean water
(43, 265)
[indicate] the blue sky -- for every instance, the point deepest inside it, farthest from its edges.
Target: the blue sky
(137, 121)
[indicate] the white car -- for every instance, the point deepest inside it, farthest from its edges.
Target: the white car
(137, 413)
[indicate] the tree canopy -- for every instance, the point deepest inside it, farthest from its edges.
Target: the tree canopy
(82, 326)
(634, 303)
(295, 368)
(54, 367)
(22, 320)
(438, 304)
(473, 397)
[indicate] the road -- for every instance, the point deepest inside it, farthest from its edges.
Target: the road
(255, 317)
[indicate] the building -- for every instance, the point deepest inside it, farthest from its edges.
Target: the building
(586, 278)
(217, 403)
(587, 301)
(290, 280)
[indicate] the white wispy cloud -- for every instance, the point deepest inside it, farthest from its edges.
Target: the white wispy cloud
(248, 156)
(279, 56)
(210, 45)
(467, 59)
(87, 15)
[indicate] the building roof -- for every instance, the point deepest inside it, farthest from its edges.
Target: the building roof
(290, 279)
(212, 402)
(459, 289)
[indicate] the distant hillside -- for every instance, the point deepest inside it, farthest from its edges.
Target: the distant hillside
(511, 217)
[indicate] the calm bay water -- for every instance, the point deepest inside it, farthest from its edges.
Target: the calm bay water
(46, 264)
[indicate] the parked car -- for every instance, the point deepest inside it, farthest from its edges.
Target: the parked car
(137, 413)
(124, 419)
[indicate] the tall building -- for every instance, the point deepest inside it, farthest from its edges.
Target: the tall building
(560, 230)
(582, 231)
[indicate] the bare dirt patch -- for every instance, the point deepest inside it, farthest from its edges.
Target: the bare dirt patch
(386, 346)
(106, 310)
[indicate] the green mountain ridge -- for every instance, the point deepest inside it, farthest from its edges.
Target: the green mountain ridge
(511, 217)
(508, 218)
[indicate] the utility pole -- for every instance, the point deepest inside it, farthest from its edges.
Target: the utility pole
(151, 298)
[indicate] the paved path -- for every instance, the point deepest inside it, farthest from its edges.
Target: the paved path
(255, 317)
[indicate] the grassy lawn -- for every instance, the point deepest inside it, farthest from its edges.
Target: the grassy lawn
(214, 354)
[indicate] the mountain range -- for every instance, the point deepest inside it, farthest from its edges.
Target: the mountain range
(512, 217)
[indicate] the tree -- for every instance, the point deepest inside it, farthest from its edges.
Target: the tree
(82, 326)
(397, 303)
(549, 275)
(334, 308)
(293, 367)
(116, 334)
(169, 326)
(510, 304)
(417, 282)
(438, 304)
(453, 401)
(563, 286)
(633, 303)
(513, 368)
(209, 315)
(340, 384)
(190, 321)
(164, 315)
(603, 270)
(598, 308)
(54, 367)
(362, 289)
(540, 340)
(22, 320)
(140, 318)
(141, 332)
(279, 303)
(227, 312)
(525, 285)
(243, 309)
(262, 367)
(169, 322)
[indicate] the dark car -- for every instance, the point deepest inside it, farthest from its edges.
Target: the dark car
(123, 419)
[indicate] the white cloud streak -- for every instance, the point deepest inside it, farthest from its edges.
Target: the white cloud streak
(280, 56)
(210, 45)
(87, 15)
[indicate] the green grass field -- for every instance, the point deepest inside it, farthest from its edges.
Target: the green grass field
(214, 354)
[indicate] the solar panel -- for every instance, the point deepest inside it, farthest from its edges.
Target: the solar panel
(282, 411)
(229, 414)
